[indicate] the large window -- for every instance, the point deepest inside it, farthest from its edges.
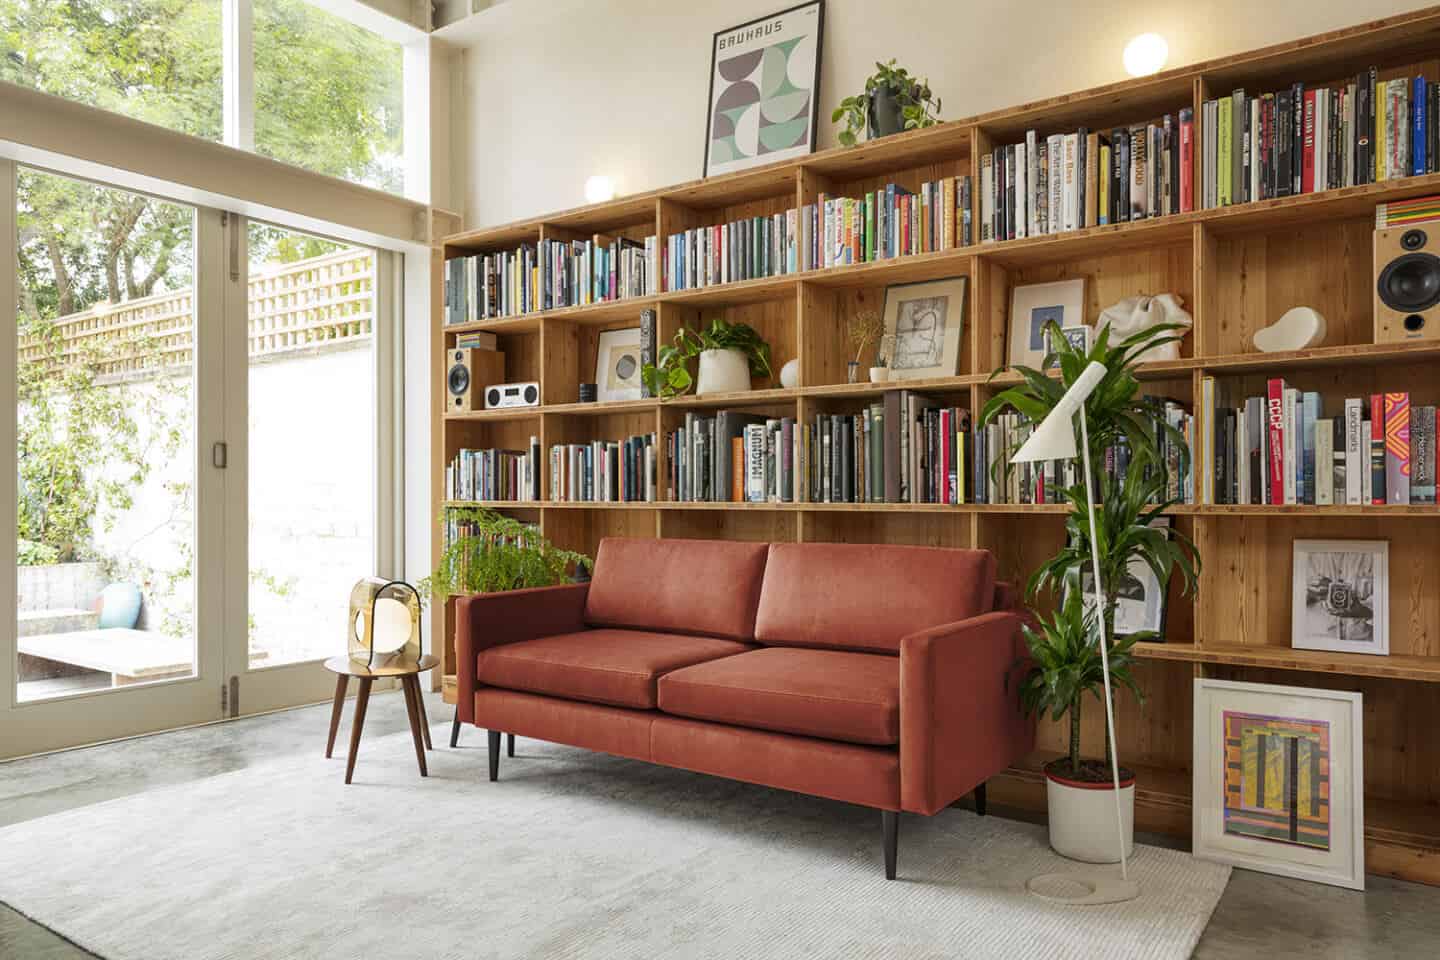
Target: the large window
(328, 95)
(154, 60)
(308, 86)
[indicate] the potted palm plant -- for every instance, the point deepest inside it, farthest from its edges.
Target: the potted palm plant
(729, 354)
(1064, 655)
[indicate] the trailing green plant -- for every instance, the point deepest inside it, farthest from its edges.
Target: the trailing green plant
(1065, 668)
(494, 554)
(914, 97)
(1125, 510)
(670, 375)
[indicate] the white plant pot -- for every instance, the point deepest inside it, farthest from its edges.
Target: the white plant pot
(723, 371)
(1082, 819)
(879, 374)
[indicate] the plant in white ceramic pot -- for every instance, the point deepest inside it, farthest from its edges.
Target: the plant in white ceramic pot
(728, 353)
(1065, 656)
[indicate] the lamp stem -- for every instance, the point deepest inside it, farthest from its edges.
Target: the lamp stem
(1104, 646)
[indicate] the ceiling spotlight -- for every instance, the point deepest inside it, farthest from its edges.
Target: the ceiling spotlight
(599, 189)
(1146, 54)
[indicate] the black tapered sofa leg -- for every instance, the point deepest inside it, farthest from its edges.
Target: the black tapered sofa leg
(509, 744)
(455, 730)
(494, 737)
(890, 821)
(980, 800)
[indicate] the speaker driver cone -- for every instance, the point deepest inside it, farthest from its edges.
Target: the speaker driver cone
(1410, 283)
(459, 379)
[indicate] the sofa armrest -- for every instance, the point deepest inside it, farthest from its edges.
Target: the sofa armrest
(960, 715)
(484, 620)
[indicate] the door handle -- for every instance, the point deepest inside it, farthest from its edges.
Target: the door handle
(220, 455)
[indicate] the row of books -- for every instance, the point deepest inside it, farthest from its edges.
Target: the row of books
(1286, 448)
(1306, 139)
(904, 448)
(604, 471)
(882, 224)
(548, 276)
(1062, 182)
(494, 474)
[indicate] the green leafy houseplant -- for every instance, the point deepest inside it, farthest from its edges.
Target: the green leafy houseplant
(670, 375)
(497, 553)
(888, 88)
(1125, 510)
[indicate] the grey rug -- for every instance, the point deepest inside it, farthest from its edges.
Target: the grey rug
(570, 855)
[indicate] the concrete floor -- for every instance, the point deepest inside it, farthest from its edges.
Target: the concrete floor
(1259, 916)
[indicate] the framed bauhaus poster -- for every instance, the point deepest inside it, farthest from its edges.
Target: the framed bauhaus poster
(764, 90)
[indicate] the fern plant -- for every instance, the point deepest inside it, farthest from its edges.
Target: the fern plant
(497, 553)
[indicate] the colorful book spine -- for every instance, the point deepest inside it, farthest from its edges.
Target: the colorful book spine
(1397, 448)
(1275, 437)
(1377, 448)
(1422, 455)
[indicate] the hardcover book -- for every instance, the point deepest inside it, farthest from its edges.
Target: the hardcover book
(1397, 448)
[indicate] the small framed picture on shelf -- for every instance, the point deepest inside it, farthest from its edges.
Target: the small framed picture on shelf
(1279, 780)
(764, 90)
(1077, 336)
(1140, 597)
(1340, 596)
(923, 326)
(617, 365)
(1035, 306)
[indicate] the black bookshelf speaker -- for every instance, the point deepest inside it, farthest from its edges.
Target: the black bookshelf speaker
(1407, 283)
(460, 381)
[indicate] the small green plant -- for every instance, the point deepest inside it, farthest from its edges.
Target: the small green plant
(913, 96)
(670, 375)
(496, 553)
(1065, 668)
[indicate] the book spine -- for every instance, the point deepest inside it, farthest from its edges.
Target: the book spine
(1339, 480)
(1397, 448)
(1187, 160)
(1275, 438)
(1307, 145)
(1418, 135)
(1310, 406)
(1422, 455)
(1377, 448)
(1355, 462)
(1324, 458)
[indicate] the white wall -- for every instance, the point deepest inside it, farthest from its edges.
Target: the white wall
(553, 91)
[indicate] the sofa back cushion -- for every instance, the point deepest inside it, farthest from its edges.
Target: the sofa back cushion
(707, 587)
(868, 596)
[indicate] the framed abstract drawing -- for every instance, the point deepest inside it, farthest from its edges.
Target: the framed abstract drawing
(924, 322)
(1140, 597)
(1279, 780)
(764, 90)
(617, 365)
(1034, 307)
(1340, 596)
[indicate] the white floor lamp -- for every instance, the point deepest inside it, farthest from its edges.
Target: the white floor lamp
(1054, 439)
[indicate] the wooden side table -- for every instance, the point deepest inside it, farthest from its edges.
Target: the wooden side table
(344, 668)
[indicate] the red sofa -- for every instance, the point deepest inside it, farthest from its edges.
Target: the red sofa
(870, 674)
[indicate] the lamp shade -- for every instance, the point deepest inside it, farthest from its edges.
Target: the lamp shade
(1054, 437)
(384, 623)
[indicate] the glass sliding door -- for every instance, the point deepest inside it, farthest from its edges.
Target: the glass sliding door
(109, 384)
(310, 455)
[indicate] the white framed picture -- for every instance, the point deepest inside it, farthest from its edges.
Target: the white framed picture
(1032, 308)
(1340, 596)
(1279, 780)
(924, 322)
(617, 365)
(1140, 598)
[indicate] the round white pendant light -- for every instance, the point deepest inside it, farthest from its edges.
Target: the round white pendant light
(1146, 54)
(599, 189)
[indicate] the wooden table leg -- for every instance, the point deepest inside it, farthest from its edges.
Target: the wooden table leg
(341, 682)
(420, 706)
(413, 710)
(362, 700)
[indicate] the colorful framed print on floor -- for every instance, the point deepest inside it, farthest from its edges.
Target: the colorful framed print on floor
(764, 90)
(925, 322)
(1279, 780)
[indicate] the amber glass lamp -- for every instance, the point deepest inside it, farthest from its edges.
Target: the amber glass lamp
(385, 623)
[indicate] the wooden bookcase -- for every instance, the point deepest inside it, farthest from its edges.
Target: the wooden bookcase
(1237, 267)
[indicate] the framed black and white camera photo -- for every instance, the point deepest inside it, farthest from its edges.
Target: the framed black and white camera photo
(1340, 596)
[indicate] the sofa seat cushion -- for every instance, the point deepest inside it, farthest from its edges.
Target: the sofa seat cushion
(617, 667)
(836, 694)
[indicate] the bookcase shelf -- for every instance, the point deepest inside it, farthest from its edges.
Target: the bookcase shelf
(1236, 266)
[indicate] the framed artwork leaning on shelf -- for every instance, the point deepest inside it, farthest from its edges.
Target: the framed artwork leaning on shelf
(1279, 780)
(1340, 596)
(1032, 307)
(764, 90)
(617, 365)
(924, 322)
(1140, 597)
